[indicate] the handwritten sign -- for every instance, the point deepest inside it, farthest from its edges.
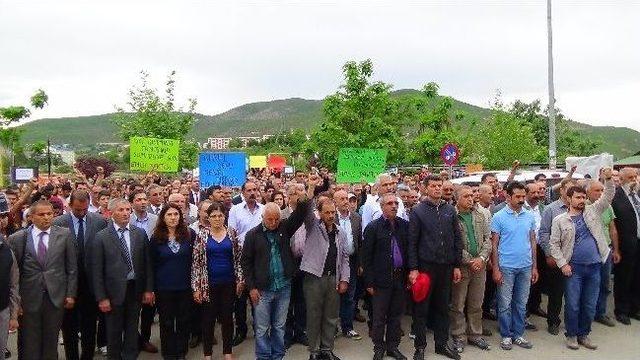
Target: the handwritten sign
(355, 165)
(148, 154)
(226, 169)
(258, 162)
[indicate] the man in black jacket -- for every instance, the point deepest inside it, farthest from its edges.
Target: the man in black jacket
(435, 247)
(383, 255)
(626, 284)
(268, 266)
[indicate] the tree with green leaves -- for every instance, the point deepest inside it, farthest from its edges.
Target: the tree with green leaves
(502, 138)
(361, 114)
(569, 141)
(150, 115)
(436, 124)
(10, 136)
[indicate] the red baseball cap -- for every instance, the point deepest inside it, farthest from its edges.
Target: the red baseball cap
(420, 289)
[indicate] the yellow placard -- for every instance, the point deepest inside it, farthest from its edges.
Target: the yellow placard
(257, 162)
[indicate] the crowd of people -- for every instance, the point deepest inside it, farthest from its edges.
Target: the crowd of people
(96, 259)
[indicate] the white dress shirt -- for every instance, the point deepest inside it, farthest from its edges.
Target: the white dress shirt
(35, 233)
(127, 240)
(242, 219)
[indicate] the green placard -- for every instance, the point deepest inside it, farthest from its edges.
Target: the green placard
(147, 154)
(356, 165)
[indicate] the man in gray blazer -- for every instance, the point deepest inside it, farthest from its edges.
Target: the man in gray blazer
(143, 219)
(47, 262)
(122, 279)
(82, 319)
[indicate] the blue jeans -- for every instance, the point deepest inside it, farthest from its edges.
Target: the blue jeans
(605, 290)
(512, 298)
(270, 318)
(347, 307)
(580, 298)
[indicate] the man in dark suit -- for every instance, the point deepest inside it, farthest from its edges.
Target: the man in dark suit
(83, 226)
(351, 223)
(47, 262)
(383, 256)
(122, 279)
(626, 284)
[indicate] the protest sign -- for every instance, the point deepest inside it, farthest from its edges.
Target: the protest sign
(226, 169)
(356, 165)
(23, 175)
(258, 162)
(591, 164)
(277, 162)
(147, 154)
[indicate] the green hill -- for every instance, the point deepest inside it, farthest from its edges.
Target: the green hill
(269, 117)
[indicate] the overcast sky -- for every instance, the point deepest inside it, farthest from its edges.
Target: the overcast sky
(87, 54)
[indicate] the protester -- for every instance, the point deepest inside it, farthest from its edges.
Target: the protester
(435, 247)
(122, 279)
(48, 284)
(594, 190)
(9, 291)
(514, 265)
(350, 223)
(579, 248)
(267, 265)
(216, 278)
(467, 295)
(384, 254)
(626, 285)
(81, 319)
(242, 218)
(554, 279)
(171, 256)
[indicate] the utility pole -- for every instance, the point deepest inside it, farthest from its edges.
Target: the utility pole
(552, 99)
(49, 156)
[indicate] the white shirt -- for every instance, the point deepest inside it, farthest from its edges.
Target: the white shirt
(537, 214)
(92, 209)
(127, 240)
(155, 210)
(242, 219)
(196, 196)
(345, 224)
(35, 233)
(371, 210)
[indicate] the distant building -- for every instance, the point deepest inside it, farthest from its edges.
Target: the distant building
(222, 143)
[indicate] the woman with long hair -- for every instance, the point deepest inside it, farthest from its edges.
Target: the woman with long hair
(278, 198)
(216, 277)
(172, 254)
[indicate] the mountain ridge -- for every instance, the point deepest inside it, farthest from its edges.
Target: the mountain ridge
(269, 117)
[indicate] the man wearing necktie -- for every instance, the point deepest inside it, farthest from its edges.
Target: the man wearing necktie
(626, 284)
(47, 261)
(83, 317)
(122, 279)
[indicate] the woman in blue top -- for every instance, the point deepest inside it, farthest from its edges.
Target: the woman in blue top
(216, 278)
(171, 253)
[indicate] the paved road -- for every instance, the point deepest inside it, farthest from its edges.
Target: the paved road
(621, 342)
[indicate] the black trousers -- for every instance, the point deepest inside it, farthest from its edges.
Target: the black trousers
(297, 313)
(101, 337)
(122, 326)
(82, 318)
(388, 307)
(536, 290)
(173, 308)
(147, 313)
(490, 288)
(240, 313)
(555, 287)
(626, 284)
(435, 307)
(219, 307)
(196, 319)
